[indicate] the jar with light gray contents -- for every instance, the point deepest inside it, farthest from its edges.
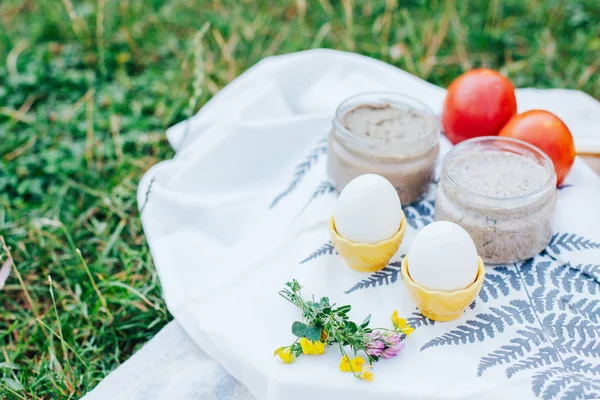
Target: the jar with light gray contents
(388, 134)
(503, 192)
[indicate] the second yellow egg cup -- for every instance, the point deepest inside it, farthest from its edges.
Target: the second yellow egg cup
(438, 305)
(367, 257)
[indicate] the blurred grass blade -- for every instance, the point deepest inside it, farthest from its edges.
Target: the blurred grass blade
(5, 272)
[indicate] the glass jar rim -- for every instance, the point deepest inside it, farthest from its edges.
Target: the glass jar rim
(525, 198)
(391, 98)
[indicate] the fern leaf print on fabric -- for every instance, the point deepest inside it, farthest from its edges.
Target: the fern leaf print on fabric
(385, 276)
(420, 214)
(326, 249)
(315, 153)
(416, 320)
(545, 312)
(324, 188)
(568, 242)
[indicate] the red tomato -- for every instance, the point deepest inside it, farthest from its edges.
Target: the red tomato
(478, 103)
(546, 131)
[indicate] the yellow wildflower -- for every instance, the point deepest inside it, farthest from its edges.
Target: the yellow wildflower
(397, 321)
(324, 335)
(310, 347)
(367, 375)
(401, 324)
(354, 365)
(319, 347)
(286, 355)
(408, 330)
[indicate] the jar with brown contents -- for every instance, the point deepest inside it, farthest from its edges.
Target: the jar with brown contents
(503, 192)
(387, 134)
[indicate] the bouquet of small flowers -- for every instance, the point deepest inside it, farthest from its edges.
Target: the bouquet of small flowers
(324, 324)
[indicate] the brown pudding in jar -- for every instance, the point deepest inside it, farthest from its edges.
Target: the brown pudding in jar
(503, 192)
(388, 134)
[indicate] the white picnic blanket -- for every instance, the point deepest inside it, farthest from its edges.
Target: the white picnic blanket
(243, 207)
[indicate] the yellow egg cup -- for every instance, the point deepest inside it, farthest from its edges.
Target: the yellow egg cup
(439, 305)
(367, 257)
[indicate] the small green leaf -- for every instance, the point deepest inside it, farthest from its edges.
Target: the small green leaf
(324, 302)
(313, 333)
(299, 329)
(366, 322)
(343, 309)
(351, 326)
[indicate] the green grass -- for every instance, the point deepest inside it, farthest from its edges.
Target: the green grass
(87, 89)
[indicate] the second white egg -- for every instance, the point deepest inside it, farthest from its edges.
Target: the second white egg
(443, 257)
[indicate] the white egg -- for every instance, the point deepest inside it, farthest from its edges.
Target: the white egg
(443, 257)
(368, 210)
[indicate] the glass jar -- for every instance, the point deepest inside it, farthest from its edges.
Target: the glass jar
(388, 134)
(503, 192)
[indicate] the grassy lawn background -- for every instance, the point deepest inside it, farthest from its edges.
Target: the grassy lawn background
(87, 89)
